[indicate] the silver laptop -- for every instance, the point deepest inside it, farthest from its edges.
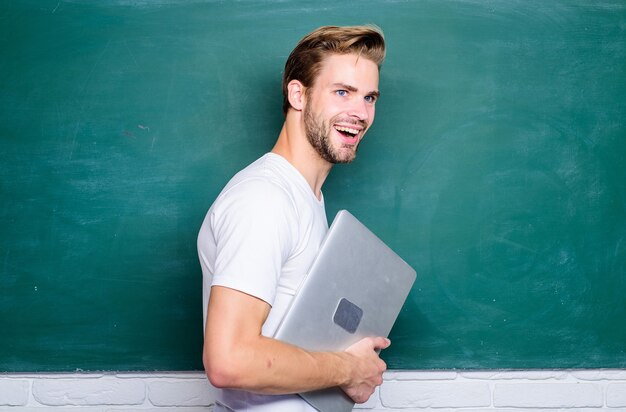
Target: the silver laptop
(355, 288)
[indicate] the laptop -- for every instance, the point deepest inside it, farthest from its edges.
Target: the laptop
(355, 288)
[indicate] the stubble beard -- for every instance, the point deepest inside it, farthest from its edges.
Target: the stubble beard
(318, 135)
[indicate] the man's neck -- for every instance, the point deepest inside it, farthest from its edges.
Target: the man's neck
(293, 145)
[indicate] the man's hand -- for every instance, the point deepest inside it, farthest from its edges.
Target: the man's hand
(368, 368)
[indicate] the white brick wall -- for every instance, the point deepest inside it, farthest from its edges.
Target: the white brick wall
(402, 391)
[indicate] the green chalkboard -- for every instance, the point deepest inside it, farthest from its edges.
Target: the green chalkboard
(496, 167)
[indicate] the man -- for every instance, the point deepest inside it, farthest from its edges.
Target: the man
(263, 231)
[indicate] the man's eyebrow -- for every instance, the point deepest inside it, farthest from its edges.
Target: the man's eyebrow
(345, 86)
(349, 88)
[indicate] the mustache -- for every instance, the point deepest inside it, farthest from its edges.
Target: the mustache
(364, 124)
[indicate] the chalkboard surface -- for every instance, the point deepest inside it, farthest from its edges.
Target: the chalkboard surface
(496, 167)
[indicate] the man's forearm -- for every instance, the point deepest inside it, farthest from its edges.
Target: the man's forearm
(269, 366)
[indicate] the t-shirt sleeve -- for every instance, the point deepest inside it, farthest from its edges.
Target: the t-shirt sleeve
(253, 224)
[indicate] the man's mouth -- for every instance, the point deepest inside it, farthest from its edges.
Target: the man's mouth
(350, 134)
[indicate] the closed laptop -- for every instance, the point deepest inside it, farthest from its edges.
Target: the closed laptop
(355, 288)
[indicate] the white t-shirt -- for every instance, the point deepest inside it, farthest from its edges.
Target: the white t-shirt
(260, 237)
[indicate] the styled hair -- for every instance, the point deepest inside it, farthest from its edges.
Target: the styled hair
(305, 61)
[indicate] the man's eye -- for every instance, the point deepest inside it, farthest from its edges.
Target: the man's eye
(370, 99)
(342, 93)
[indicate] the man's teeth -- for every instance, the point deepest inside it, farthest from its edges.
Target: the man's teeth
(347, 130)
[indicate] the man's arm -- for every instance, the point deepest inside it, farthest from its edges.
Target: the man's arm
(236, 355)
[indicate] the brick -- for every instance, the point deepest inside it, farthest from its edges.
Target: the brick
(154, 409)
(88, 391)
(547, 395)
(161, 374)
(190, 392)
(515, 375)
(529, 410)
(62, 409)
(13, 392)
(599, 375)
(514, 410)
(428, 410)
(616, 395)
(403, 394)
(419, 375)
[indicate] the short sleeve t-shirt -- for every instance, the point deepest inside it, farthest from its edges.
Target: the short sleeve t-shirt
(260, 237)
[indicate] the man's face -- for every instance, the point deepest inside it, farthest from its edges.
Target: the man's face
(340, 106)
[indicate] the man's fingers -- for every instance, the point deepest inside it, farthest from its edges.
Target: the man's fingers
(381, 343)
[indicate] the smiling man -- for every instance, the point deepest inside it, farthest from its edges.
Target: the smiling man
(263, 231)
(350, 121)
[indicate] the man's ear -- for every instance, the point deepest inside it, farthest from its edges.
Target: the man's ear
(295, 94)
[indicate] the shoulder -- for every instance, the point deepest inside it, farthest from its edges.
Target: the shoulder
(253, 202)
(256, 194)
(261, 185)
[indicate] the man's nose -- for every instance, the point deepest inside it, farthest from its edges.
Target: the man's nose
(359, 109)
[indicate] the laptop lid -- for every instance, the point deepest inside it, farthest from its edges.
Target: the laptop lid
(355, 288)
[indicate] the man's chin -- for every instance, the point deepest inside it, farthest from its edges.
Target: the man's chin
(345, 156)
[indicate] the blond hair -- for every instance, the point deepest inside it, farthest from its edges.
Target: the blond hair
(305, 61)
